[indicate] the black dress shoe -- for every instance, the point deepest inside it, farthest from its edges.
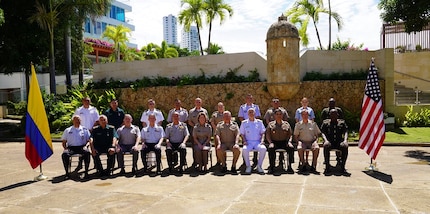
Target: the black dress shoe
(224, 169)
(122, 172)
(86, 176)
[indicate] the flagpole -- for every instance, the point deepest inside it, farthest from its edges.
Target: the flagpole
(40, 177)
(371, 167)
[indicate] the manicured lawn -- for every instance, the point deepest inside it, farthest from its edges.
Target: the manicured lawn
(403, 135)
(408, 135)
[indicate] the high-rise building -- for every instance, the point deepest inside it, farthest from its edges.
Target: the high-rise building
(170, 32)
(190, 39)
(116, 16)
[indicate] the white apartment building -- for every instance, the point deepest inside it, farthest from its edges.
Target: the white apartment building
(116, 16)
(170, 32)
(190, 39)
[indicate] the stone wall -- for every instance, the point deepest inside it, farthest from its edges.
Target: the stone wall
(348, 94)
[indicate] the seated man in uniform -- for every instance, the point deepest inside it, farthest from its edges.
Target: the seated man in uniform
(176, 138)
(335, 135)
(152, 137)
(128, 141)
(278, 135)
(252, 131)
(306, 134)
(103, 140)
(75, 139)
(227, 136)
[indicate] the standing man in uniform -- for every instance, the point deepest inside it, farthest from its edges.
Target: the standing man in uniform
(152, 137)
(269, 116)
(104, 139)
(335, 135)
(128, 141)
(75, 139)
(217, 116)
(325, 113)
(305, 106)
(89, 117)
(252, 131)
(151, 110)
(243, 115)
(115, 114)
(183, 113)
(306, 134)
(89, 114)
(278, 135)
(176, 138)
(227, 135)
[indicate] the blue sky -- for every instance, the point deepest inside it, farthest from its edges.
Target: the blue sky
(246, 30)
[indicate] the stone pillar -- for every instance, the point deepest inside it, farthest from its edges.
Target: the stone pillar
(283, 69)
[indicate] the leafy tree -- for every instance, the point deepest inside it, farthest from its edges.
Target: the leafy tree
(149, 51)
(47, 20)
(166, 52)
(214, 9)
(1, 17)
(119, 36)
(414, 13)
(75, 13)
(181, 51)
(305, 10)
(192, 14)
(20, 41)
(346, 45)
(214, 49)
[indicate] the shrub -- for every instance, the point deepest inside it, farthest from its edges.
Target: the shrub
(353, 75)
(415, 119)
(230, 77)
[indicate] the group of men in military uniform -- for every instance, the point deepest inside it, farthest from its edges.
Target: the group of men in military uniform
(113, 133)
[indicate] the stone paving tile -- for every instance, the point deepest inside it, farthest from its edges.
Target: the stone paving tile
(401, 186)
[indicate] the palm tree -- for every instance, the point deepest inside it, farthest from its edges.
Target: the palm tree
(119, 37)
(311, 10)
(149, 51)
(214, 49)
(214, 9)
(166, 52)
(192, 14)
(329, 25)
(47, 20)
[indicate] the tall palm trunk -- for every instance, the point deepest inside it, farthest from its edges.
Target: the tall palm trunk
(209, 39)
(200, 40)
(329, 25)
(52, 84)
(318, 34)
(68, 48)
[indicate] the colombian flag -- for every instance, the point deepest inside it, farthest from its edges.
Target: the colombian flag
(38, 144)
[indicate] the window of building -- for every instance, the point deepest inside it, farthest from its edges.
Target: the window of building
(87, 25)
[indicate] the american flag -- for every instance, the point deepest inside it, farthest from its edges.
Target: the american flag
(372, 127)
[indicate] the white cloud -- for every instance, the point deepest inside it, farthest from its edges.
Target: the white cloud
(246, 30)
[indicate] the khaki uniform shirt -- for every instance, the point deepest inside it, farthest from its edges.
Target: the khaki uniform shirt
(192, 115)
(307, 132)
(227, 132)
(202, 133)
(270, 115)
(216, 117)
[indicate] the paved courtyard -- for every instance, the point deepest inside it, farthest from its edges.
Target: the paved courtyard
(402, 185)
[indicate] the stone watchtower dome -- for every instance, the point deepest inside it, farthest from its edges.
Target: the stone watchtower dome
(283, 71)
